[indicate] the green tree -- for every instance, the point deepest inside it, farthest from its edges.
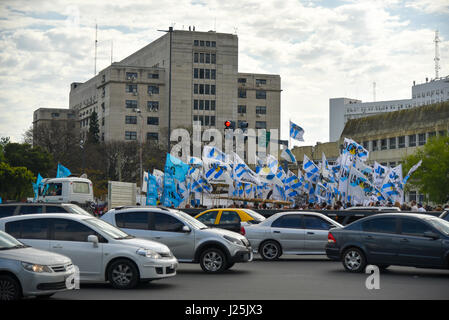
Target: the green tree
(35, 159)
(15, 182)
(433, 176)
(93, 136)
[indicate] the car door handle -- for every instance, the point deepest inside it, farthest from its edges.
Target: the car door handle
(276, 232)
(57, 247)
(369, 237)
(404, 240)
(310, 232)
(156, 237)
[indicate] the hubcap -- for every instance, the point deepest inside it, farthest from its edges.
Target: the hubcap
(353, 260)
(7, 290)
(270, 251)
(213, 261)
(122, 274)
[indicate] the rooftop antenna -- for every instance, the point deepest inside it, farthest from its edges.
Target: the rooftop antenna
(437, 54)
(374, 91)
(112, 49)
(96, 44)
(235, 30)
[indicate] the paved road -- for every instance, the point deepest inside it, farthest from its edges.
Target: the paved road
(293, 277)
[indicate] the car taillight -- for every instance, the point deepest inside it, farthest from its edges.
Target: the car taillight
(330, 238)
(242, 231)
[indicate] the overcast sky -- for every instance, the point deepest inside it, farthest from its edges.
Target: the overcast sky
(321, 49)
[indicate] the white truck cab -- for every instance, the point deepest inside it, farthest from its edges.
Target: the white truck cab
(67, 190)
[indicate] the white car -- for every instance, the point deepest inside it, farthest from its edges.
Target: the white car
(100, 251)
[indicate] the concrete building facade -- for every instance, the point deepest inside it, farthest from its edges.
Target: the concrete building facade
(341, 110)
(205, 87)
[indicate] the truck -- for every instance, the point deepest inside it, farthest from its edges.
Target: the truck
(121, 194)
(67, 190)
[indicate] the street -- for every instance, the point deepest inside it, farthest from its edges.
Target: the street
(292, 277)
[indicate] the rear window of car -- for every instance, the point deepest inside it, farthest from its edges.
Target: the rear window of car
(55, 209)
(7, 211)
(29, 229)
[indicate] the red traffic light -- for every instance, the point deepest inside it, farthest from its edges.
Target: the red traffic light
(227, 124)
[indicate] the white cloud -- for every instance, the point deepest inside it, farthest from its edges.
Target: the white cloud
(320, 52)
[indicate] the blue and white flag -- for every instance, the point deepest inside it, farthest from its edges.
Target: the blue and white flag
(287, 155)
(296, 132)
(213, 153)
(353, 148)
(242, 172)
(412, 169)
(176, 168)
(62, 171)
(151, 190)
(310, 168)
(267, 169)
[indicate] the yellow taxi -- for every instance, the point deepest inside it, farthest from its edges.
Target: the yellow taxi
(224, 217)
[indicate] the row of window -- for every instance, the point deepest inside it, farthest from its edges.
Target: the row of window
(258, 81)
(199, 73)
(204, 104)
(260, 94)
(132, 88)
(400, 142)
(429, 93)
(132, 135)
(150, 120)
(202, 57)
(202, 43)
(134, 75)
(259, 109)
(205, 120)
(204, 89)
(151, 105)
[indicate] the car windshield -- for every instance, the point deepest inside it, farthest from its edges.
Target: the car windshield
(75, 209)
(108, 229)
(191, 220)
(8, 242)
(440, 224)
(255, 215)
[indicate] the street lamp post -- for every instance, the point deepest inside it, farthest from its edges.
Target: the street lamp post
(139, 113)
(82, 154)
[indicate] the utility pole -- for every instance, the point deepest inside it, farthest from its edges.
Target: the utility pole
(437, 55)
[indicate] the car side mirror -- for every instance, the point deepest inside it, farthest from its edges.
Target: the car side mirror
(185, 229)
(431, 234)
(93, 239)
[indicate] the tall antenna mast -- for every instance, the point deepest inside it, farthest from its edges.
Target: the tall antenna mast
(96, 44)
(374, 91)
(437, 54)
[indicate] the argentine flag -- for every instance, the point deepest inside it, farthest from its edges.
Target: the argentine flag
(287, 155)
(296, 132)
(310, 168)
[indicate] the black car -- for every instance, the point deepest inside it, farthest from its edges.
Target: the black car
(404, 239)
(14, 209)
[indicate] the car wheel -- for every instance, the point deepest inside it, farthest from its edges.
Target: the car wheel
(9, 288)
(354, 260)
(213, 260)
(270, 250)
(123, 274)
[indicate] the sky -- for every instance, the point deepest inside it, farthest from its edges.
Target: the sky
(321, 49)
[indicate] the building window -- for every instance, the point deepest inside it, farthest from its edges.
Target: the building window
(195, 43)
(55, 115)
(195, 89)
(201, 57)
(212, 89)
(421, 139)
(261, 81)
(261, 110)
(212, 74)
(130, 135)
(207, 57)
(401, 142)
(207, 74)
(131, 75)
(213, 44)
(261, 94)
(152, 136)
(212, 58)
(241, 109)
(201, 104)
(195, 73)
(195, 104)
(130, 119)
(206, 120)
(412, 140)
(212, 120)
(153, 75)
(261, 125)
(432, 134)
(206, 89)
(201, 120)
(212, 105)
(195, 57)
(383, 144)
(201, 73)
(201, 43)
(131, 88)
(131, 104)
(153, 89)
(153, 121)
(207, 43)
(442, 133)
(242, 93)
(201, 88)
(153, 106)
(392, 143)
(366, 145)
(206, 104)
(241, 80)
(375, 148)
(392, 164)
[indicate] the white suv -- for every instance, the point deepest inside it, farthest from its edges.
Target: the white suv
(190, 240)
(100, 251)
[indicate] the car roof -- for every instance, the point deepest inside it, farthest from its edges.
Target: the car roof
(139, 208)
(34, 204)
(74, 179)
(404, 214)
(47, 215)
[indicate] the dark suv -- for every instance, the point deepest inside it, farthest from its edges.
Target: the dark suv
(416, 240)
(15, 209)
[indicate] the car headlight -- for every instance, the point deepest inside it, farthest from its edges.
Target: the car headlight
(148, 253)
(234, 240)
(36, 267)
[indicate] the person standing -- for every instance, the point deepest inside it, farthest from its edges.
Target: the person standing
(414, 206)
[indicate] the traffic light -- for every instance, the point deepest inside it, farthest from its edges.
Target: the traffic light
(243, 125)
(229, 124)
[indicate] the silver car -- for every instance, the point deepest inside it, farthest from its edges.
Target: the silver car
(290, 233)
(189, 239)
(25, 271)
